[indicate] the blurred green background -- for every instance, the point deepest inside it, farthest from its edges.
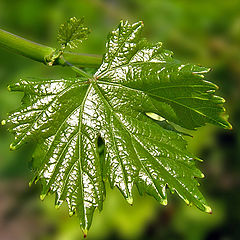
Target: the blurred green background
(205, 32)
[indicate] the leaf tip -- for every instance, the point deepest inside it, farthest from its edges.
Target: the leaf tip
(229, 126)
(57, 206)
(198, 159)
(12, 147)
(130, 200)
(3, 122)
(34, 180)
(186, 201)
(9, 88)
(202, 175)
(164, 202)
(207, 209)
(42, 196)
(71, 213)
(85, 232)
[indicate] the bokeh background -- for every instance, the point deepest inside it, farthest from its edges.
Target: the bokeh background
(205, 32)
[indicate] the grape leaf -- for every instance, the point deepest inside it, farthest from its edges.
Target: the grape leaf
(72, 33)
(66, 117)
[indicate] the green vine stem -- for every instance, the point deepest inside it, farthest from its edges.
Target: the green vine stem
(41, 53)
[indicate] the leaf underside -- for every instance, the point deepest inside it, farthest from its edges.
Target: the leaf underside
(67, 116)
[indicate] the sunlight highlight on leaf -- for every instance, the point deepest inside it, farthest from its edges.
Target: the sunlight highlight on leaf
(66, 118)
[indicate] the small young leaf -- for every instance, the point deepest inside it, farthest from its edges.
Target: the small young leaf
(67, 116)
(72, 33)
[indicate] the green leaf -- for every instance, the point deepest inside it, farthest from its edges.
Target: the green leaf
(66, 118)
(72, 33)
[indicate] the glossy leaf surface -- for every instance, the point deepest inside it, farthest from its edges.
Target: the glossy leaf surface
(66, 117)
